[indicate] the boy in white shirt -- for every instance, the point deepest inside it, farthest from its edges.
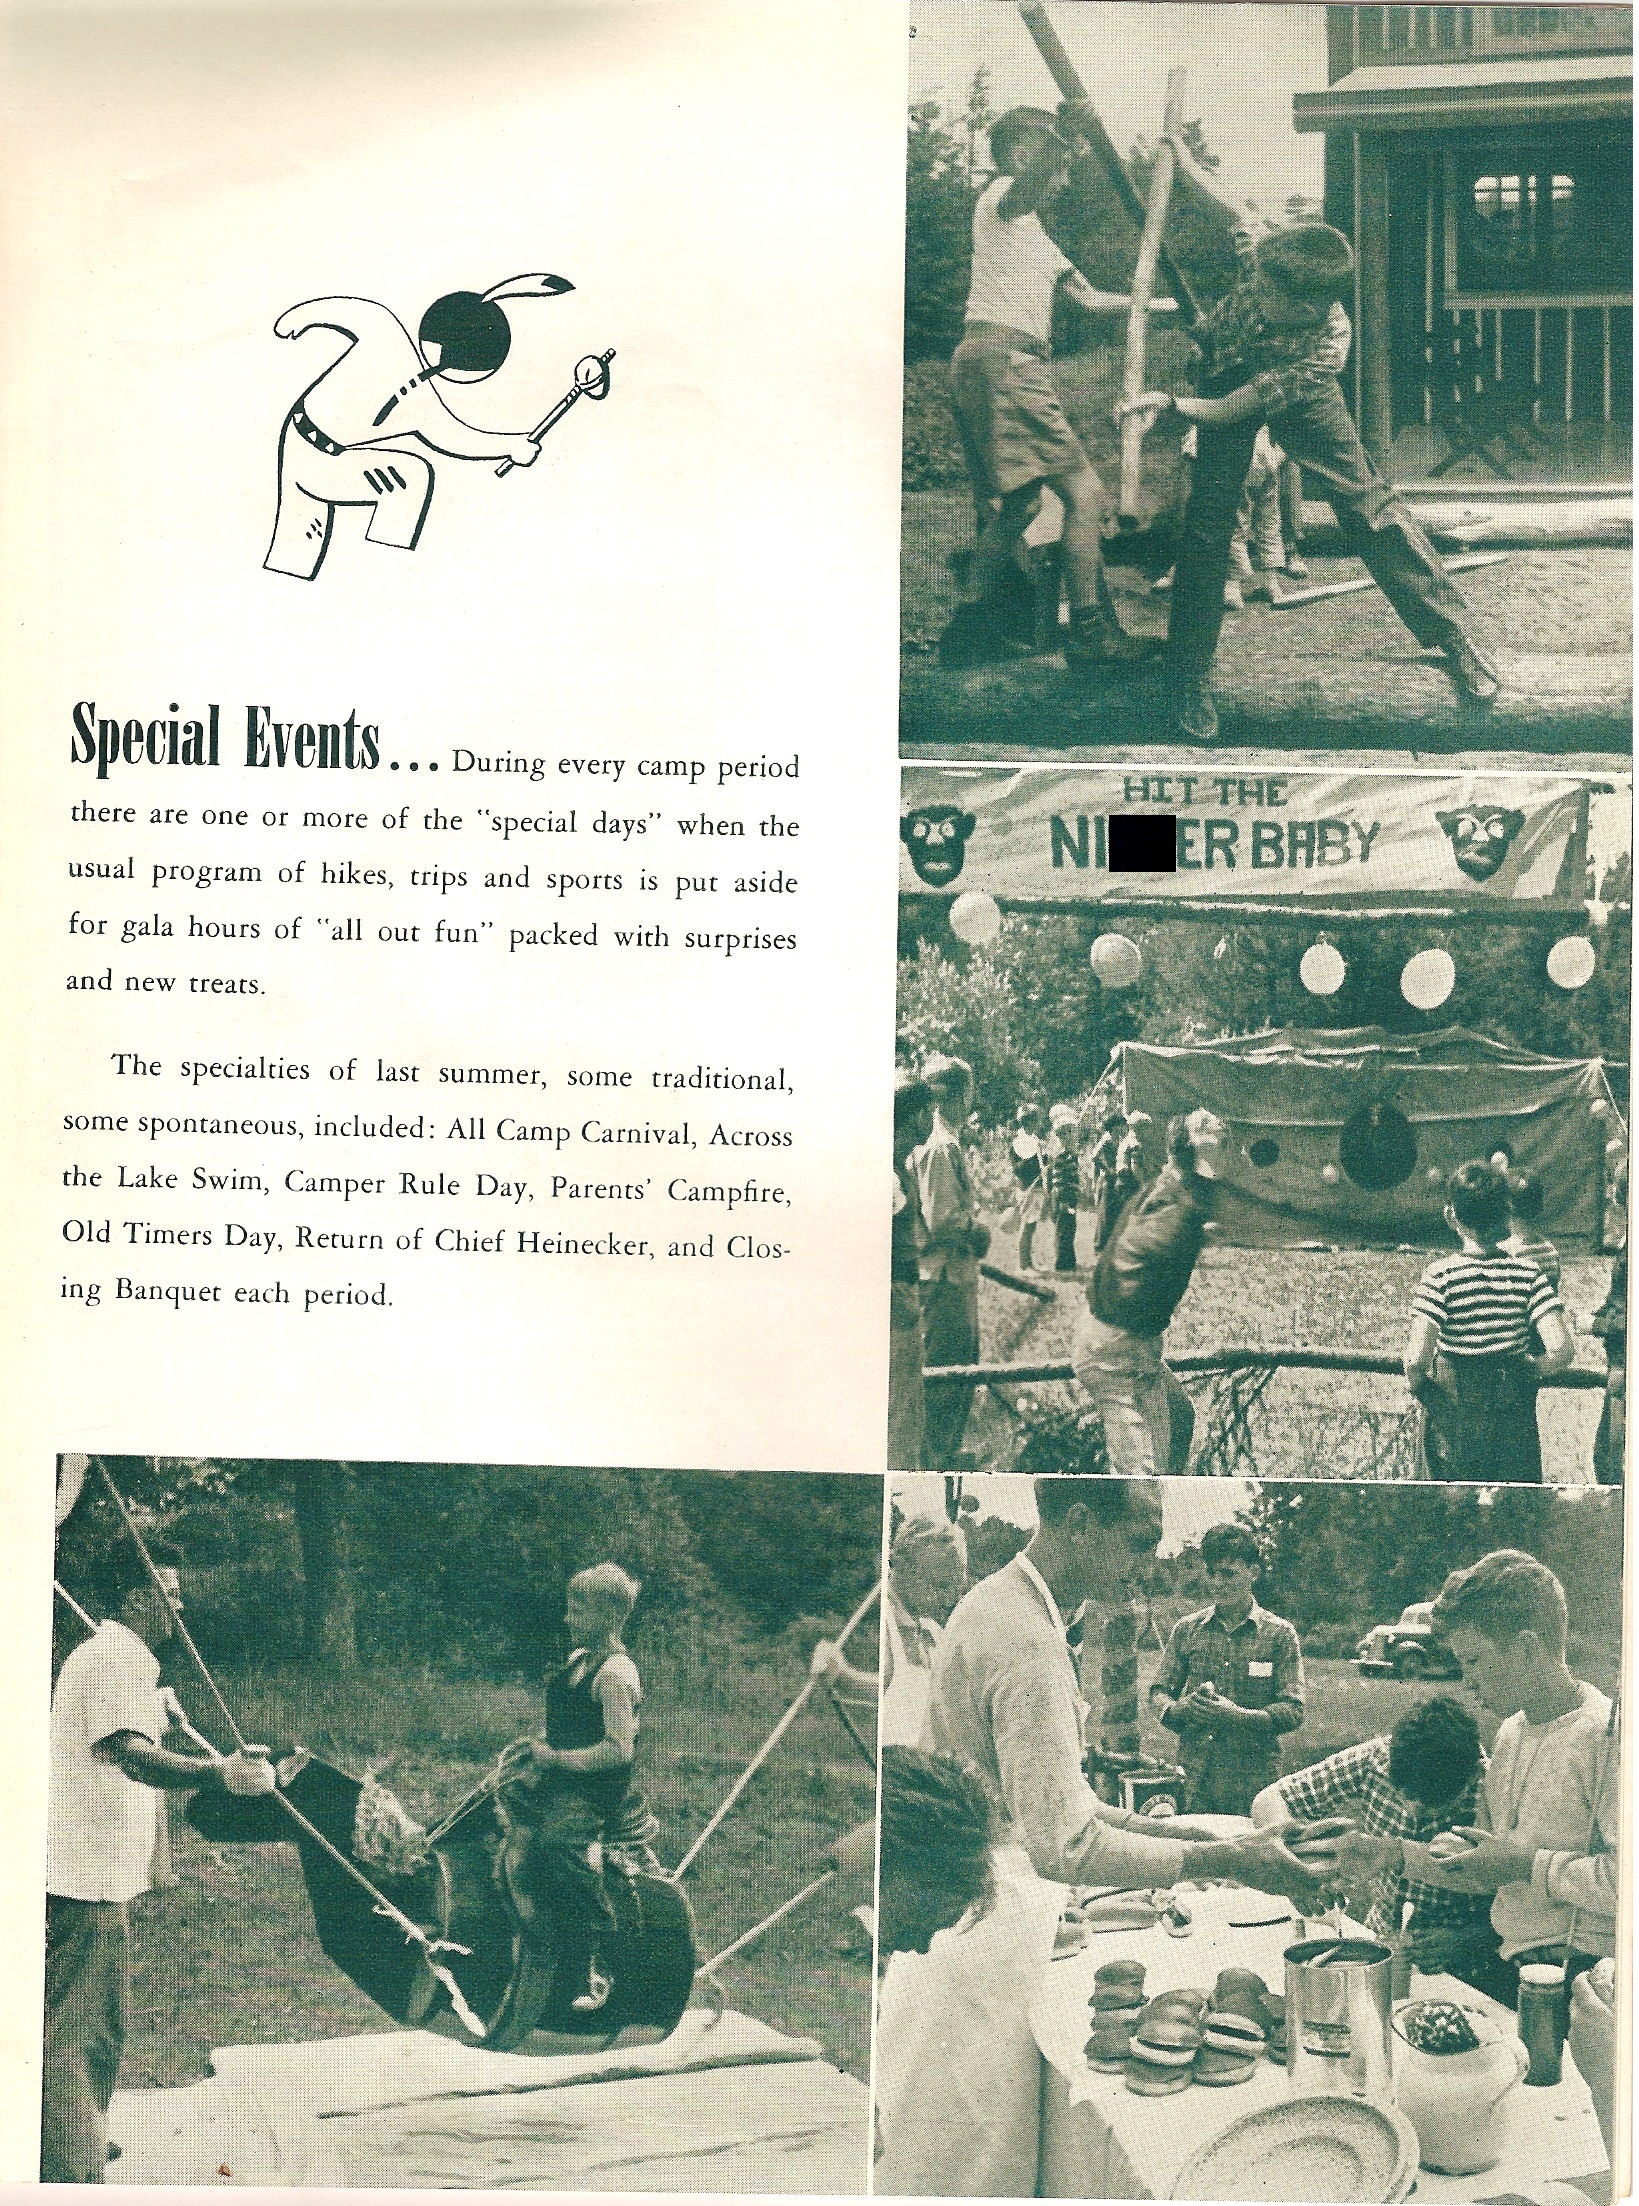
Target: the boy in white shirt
(1546, 1842)
(1014, 430)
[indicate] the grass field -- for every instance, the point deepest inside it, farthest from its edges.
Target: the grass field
(1307, 1424)
(228, 1956)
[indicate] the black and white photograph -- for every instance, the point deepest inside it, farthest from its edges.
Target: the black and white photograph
(1297, 1150)
(1268, 375)
(1294, 1807)
(460, 1827)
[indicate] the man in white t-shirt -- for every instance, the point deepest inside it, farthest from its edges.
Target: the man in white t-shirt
(1014, 430)
(107, 1767)
(1545, 1844)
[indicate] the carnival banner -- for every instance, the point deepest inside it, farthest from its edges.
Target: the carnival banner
(1042, 835)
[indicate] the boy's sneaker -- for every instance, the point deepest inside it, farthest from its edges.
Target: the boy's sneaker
(1471, 670)
(596, 1994)
(1262, 589)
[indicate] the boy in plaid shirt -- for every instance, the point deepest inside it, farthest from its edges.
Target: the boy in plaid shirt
(1272, 350)
(1423, 1777)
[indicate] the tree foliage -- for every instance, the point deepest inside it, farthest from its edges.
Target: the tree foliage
(468, 1563)
(1340, 1553)
(1037, 1025)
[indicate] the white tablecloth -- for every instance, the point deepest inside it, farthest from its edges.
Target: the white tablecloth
(1100, 2140)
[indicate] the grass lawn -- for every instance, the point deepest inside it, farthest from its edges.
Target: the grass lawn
(228, 1956)
(1307, 1424)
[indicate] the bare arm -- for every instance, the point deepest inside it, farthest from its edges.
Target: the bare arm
(245, 1772)
(1558, 1348)
(1422, 1346)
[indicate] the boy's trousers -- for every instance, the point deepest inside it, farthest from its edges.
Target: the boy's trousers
(1376, 527)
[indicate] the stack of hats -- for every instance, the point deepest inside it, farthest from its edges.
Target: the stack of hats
(1244, 1992)
(1118, 2001)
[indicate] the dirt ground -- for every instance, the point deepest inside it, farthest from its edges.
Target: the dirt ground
(1306, 1424)
(1533, 604)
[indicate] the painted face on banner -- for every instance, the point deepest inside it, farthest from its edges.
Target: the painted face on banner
(1481, 837)
(936, 836)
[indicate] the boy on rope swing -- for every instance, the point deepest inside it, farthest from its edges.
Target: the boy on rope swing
(552, 1860)
(1272, 351)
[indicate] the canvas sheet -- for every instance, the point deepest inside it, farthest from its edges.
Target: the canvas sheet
(733, 2106)
(1318, 1118)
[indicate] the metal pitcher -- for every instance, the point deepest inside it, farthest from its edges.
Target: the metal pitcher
(1339, 2005)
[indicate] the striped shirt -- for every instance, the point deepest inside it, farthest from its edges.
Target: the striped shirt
(1484, 1305)
(1356, 1782)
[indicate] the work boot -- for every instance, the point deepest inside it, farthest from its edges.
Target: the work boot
(1261, 589)
(1193, 714)
(596, 1994)
(1097, 640)
(1234, 602)
(1470, 669)
(1297, 567)
(975, 636)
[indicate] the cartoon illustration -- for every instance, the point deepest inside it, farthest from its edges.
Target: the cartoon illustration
(349, 438)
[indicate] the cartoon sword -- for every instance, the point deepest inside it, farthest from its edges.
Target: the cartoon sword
(591, 381)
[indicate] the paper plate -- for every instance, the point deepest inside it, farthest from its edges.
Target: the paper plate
(1327, 2150)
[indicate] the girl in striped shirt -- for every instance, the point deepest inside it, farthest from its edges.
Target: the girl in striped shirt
(1472, 1359)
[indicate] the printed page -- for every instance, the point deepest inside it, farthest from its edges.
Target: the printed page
(521, 1681)
(449, 560)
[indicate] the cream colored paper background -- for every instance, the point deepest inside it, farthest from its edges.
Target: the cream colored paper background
(705, 565)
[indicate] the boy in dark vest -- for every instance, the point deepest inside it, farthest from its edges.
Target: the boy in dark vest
(553, 1860)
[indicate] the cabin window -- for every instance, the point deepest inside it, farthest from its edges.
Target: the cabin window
(1542, 225)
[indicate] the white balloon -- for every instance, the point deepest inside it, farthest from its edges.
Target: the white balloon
(975, 918)
(1571, 961)
(1322, 970)
(1616, 1147)
(1117, 960)
(1434, 1176)
(1330, 1174)
(1428, 979)
(1599, 1109)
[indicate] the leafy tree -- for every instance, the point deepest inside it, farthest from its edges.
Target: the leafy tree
(939, 196)
(962, 1006)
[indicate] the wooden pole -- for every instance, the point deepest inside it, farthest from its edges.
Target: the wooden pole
(1143, 284)
(1461, 565)
(1066, 76)
(774, 1737)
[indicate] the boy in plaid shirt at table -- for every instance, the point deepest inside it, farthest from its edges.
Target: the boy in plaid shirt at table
(1471, 1360)
(1423, 1777)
